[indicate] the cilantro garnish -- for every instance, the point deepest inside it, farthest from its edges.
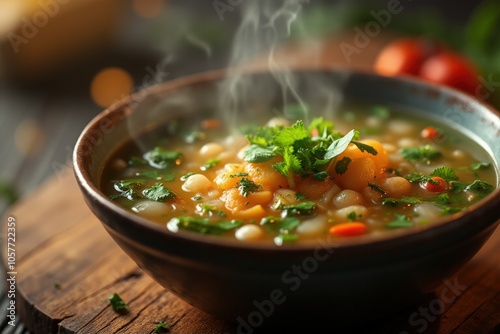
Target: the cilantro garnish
(282, 226)
(117, 303)
(480, 187)
(377, 188)
(338, 146)
(399, 222)
(161, 158)
(365, 148)
(202, 225)
(393, 202)
(446, 173)
(342, 165)
(247, 186)
(160, 327)
(424, 153)
(479, 165)
(159, 193)
(205, 208)
(186, 176)
(211, 163)
(320, 176)
(301, 209)
(256, 153)
(300, 196)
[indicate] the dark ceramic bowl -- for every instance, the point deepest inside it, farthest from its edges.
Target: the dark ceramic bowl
(360, 279)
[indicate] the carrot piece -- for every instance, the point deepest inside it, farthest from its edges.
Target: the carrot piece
(255, 212)
(210, 124)
(313, 188)
(348, 229)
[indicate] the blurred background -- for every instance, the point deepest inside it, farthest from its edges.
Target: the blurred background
(63, 61)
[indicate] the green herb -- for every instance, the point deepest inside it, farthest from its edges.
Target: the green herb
(323, 127)
(205, 208)
(160, 158)
(159, 193)
(399, 222)
(124, 185)
(342, 165)
(283, 226)
(446, 173)
(320, 176)
(381, 112)
(424, 153)
(365, 148)
(197, 198)
(204, 225)
(186, 176)
(480, 187)
(353, 217)
(416, 177)
(457, 187)
(338, 146)
(256, 153)
(393, 202)
(301, 209)
(117, 303)
(240, 174)
(479, 165)
(160, 327)
(247, 186)
(449, 210)
(8, 192)
(377, 188)
(211, 163)
(300, 197)
(285, 238)
(288, 136)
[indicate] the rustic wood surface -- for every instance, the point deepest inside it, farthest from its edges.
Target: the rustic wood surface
(67, 266)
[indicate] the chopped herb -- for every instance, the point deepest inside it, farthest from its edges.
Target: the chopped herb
(240, 174)
(300, 197)
(284, 238)
(443, 199)
(186, 176)
(365, 148)
(457, 187)
(353, 217)
(424, 153)
(393, 202)
(320, 176)
(160, 327)
(448, 210)
(256, 153)
(479, 165)
(195, 136)
(159, 193)
(197, 198)
(160, 158)
(342, 165)
(124, 185)
(283, 226)
(117, 303)
(247, 186)
(301, 209)
(377, 188)
(480, 187)
(205, 208)
(203, 225)
(339, 145)
(211, 163)
(399, 222)
(446, 173)
(289, 135)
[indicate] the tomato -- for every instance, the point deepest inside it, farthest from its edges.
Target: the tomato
(404, 56)
(430, 132)
(451, 69)
(437, 185)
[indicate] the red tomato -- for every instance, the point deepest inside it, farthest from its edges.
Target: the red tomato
(451, 69)
(430, 132)
(439, 185)
(404, 56)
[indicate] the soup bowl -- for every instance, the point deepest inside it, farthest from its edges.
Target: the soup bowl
(361, 278)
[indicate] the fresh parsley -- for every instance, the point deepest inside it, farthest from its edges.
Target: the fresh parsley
(117, 303)
(300, 209)
(342, 165)
(399, 221)
(160, 327)
(203, 225)
(161, 158)
(446, 173)
(247, 186)
(424, 153)
(394, 202)
(159, 193)
(211, 163)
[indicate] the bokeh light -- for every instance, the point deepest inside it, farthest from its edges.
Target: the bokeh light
(148, 8)
(110, 85)
(29, 137)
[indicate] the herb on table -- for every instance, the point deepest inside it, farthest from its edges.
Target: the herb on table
(159, 193)
(203, 225)
(424, 153)
(161, 158)
(399, 221)
(117, 303)
(247, 186)
(161, 327)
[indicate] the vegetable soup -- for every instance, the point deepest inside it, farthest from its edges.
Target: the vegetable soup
(365, 172)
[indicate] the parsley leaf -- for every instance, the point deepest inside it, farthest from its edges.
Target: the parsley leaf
(162, 325)
(211, 163)
(160, 158)
(338, 146)
(393, 202)
(255, 153)
(159, 193)
(377, 188)
(117, 303)
(247, 186)
(424, 153)
(480, 187)
(288, 136)
(399, 222)
(202, 225)
(320, 176)
(300, 209)
(446, 173)
(342, 165)
(479, 165)
(363, 147)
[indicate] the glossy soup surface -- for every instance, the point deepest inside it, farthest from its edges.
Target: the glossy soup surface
(285, 181)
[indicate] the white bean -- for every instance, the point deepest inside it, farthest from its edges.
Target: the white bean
(396, 186)
(407, 142)
(359, 211)
(197, 183)
(346, 198)
(426, 212)
(151, 209)
(312, 226)
(248, 232)
(285, 196)
(211, 150)
(400, 127)
(327, 197)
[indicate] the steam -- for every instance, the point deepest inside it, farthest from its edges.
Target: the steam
(265, 25)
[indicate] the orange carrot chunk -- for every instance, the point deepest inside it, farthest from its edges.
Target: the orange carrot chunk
(348, 229)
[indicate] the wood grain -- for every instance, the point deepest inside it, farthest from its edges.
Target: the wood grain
(68, 266)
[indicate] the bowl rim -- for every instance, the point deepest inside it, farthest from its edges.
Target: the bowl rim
(443, 225)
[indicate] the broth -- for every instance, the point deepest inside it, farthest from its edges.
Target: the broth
(285, 181)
